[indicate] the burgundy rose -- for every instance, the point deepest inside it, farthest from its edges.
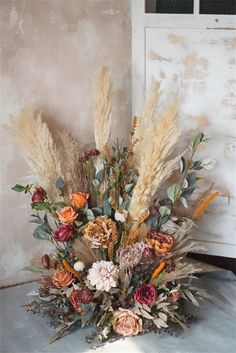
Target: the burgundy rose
(62, 233)
(39, 195)
(145, 294)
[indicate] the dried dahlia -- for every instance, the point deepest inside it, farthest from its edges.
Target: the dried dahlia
(131, 255)
(101, 232)
(161, 242)
(75, 302)
(103, 275)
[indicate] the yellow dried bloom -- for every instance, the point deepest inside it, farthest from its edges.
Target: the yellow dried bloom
(101, 232)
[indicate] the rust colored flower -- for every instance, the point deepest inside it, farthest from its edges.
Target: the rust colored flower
(161, 242)
(63, 233)
(170, 265)
(67, 215)
(79, 199)
(62, 278)
(39, 195)
(85, 295)
(145, 294)
(126, 322)
(75, 302)
(101, 232)
(174, 297)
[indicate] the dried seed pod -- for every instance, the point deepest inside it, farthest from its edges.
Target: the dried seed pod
(45, 261)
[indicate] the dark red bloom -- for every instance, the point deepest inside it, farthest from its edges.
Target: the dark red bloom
(145, 294)
(170, 265)
(62, 233)
(39, 195)
(45, 261)
(85, 295)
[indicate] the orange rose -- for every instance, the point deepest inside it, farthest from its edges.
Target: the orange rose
(67, 215)
(62, 278)
(162, 243)
(126, 322)
(79, 199)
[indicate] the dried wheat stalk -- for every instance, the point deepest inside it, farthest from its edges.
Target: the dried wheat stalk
(158, 138)
(38, 146)
(103, 110)
(84, 252)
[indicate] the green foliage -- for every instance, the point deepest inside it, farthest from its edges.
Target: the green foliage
(21, 188)
(59, 183)
(43, 231)
(173, 192)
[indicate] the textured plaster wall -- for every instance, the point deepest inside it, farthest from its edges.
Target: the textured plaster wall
(50, 53)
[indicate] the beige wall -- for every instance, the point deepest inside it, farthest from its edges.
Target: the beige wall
(50, 52)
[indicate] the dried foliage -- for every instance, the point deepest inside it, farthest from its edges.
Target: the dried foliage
(38, 147)
(103, 109)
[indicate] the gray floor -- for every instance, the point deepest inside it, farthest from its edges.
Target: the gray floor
(214, 332)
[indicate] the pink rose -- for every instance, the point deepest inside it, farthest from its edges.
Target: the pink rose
(62, 233)
(39, 195)
(145, 294)
(126, 322)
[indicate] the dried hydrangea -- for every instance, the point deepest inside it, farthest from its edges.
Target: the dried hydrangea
(131, 255)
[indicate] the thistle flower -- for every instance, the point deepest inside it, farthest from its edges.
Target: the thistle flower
(131, 255)
(103, 275)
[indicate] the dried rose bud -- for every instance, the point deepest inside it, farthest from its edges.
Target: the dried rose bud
(45, 261)
(75, 302)
(148, 253)
(174, 297)
(39, 195)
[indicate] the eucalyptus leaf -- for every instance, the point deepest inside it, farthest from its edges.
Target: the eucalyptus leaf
(43, 231)
(182, 165)
(129, 187)
(99, 175)
(173, 192)
(59, 183)
(107, 208)
(90, 215)
(196, 140)
(19, 188)
(208, 163)
(188, 192)
(152, 222)
(184, 202)
(97, 210)
(191, 179)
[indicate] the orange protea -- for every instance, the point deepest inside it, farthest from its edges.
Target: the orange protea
(101, 232)
(79, 199)
(67, 215)
(161, 242)
(62, 278)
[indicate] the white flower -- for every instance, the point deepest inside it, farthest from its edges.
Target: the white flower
(103, 275)
(79, 266)
(120, 216)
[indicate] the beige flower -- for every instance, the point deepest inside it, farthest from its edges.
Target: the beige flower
(126, 322)
(101, 232)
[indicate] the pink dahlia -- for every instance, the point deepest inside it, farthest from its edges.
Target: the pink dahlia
(103, 275)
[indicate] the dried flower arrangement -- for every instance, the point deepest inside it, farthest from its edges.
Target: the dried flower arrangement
(120, 249)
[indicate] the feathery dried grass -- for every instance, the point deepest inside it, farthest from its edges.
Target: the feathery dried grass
(103, 110)
(38, 146)
(84, 252)
(159, 136)
(73, 168)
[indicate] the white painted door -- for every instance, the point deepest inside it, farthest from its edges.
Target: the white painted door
(199, 64)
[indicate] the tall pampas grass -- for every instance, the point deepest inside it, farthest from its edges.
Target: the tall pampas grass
(158, 138)
(73, 172)
(103, 109)
(38, 147)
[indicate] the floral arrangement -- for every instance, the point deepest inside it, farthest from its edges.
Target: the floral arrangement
(120, 229)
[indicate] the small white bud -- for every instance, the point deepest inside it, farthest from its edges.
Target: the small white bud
(79, 266)
(120, 216)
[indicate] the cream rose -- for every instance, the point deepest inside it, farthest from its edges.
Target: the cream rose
(126, 322)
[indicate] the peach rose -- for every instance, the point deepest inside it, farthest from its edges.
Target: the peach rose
(67, 215)
(79, 199)
(126, 322)
(62, 278)
(162, 243)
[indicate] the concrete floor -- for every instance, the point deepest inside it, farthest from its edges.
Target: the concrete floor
(214, 332)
